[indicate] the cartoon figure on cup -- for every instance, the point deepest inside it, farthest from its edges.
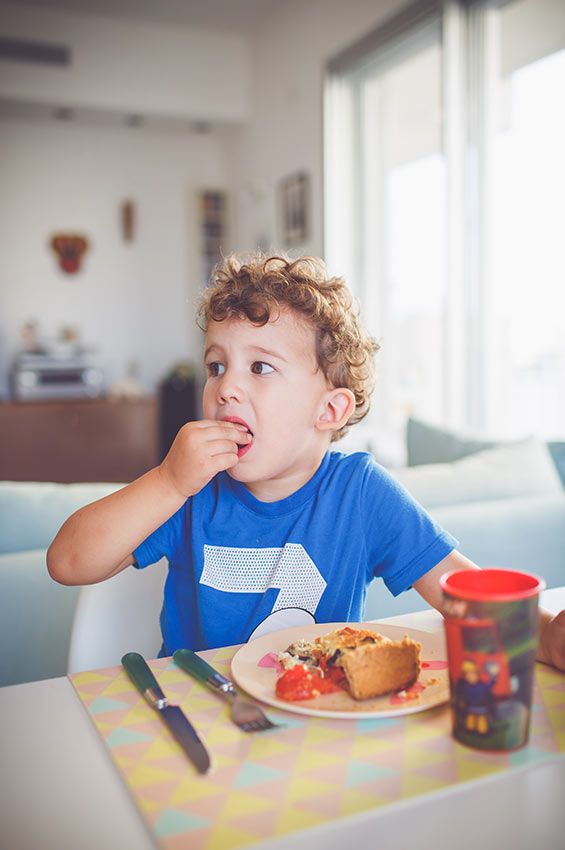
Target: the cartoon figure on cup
(474, 695)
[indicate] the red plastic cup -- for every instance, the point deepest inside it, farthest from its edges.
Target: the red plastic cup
(492, 630)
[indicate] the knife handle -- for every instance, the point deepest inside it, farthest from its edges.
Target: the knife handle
(201, 670)
(140, 673)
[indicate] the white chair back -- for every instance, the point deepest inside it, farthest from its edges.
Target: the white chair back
(116, 616)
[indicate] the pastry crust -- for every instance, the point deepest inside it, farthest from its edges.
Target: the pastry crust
(373, 669)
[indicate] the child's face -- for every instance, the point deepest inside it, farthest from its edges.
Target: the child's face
(267, 377)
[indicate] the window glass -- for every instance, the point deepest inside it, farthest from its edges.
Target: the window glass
(402, 194)
(526, 271)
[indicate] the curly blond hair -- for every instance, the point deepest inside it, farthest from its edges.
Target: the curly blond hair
(257, 286)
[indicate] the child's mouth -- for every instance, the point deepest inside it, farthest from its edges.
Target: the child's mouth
(243, 448)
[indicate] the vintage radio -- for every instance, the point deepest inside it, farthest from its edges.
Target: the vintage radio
(40, 376)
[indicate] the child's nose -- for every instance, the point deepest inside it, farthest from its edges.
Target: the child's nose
(229, 388)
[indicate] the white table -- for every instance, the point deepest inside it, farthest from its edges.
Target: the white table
(61, 791)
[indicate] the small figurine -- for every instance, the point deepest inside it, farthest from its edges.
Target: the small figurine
(130, 386)
(29, 335)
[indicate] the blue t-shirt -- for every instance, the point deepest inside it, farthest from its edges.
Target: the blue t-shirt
(239, 567)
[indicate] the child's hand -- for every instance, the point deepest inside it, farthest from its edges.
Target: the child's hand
(552, 642)
(199, 451)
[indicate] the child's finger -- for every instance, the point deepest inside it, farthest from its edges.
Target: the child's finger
(224, 461)
(229, 430)
(223, 423)
(218, 447)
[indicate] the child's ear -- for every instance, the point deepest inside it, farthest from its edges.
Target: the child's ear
(338, 407)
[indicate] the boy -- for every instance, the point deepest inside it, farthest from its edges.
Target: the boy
(262, 525)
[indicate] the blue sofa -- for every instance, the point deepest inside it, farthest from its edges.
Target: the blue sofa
(524, 530)
(36, 613)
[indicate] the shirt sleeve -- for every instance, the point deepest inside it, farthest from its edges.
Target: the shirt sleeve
(403, 541)
(163, 542)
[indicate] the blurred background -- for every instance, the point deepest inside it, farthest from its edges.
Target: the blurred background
(419, 148)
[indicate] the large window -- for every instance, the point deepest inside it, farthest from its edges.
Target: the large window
(525, 221)
(445, 208)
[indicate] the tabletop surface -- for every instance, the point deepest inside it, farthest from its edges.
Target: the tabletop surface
(60, 788)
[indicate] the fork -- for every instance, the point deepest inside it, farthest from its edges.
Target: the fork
(244, 714)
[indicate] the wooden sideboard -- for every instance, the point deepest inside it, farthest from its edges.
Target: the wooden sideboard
(82, 440)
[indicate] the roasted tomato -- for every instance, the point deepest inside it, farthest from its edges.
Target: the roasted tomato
(334, 674)
(300, 682)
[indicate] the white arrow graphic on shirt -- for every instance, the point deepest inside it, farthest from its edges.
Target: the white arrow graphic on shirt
(256, 570)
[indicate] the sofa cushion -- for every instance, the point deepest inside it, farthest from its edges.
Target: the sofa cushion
(511, 471)
(36, 615)
(557, 452)
(427, 443)
(31, 513)
(523, 534)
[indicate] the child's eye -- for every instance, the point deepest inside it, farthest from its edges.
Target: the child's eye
(215, 369)
(260, 368)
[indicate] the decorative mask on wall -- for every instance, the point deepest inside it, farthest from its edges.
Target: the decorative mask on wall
(70, 249)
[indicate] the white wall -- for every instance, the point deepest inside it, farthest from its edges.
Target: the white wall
(136, 301)
(290, 54)
(130, 66)
(131, 300)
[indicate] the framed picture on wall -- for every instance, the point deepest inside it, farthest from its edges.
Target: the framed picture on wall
(213, 213)
(295, 213)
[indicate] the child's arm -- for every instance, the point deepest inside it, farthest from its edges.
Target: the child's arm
(98, 540)
(428, 586)
(552, 628)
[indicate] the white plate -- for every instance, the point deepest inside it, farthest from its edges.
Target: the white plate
(259, 682)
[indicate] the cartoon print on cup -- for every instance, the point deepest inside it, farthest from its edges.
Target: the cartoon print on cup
(491, 647)
(473, 696)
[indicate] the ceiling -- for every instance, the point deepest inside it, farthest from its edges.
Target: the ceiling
(227, 15)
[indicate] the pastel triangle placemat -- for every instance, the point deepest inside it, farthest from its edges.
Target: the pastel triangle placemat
(307, 772)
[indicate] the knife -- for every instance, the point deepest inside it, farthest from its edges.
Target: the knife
(139, 672)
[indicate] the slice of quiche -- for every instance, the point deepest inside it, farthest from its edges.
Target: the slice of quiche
(373, 664)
